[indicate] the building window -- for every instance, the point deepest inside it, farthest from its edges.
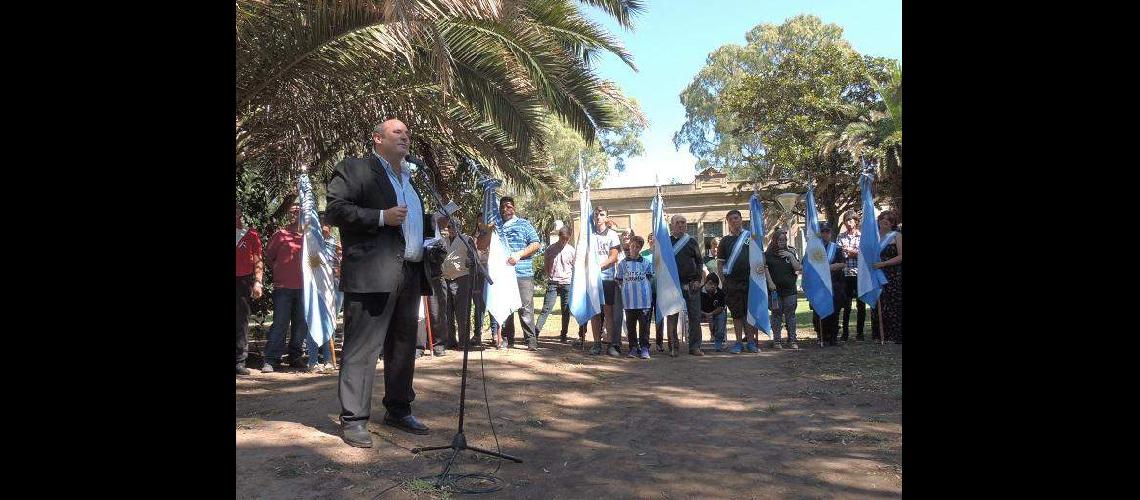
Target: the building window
(692, 230)
(714, 229)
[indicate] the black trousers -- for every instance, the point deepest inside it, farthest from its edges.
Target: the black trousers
(860, 315)
(637, 319)
(244, 297)
(380, 325)
(829, 326)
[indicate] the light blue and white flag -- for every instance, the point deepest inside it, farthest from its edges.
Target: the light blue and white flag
(502, 298)
(586, 282)
(870, 280)
(319, 282)
(669, 298)
(817, 264)
(757, 283)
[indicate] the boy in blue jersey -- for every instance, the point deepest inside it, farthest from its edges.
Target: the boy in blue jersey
(633, 276)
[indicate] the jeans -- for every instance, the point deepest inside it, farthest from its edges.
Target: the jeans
(719, 326)
(562, 292)
(618, 320)
(787, 314)
(287, 308)
(314, 358)
(525, 314)
(244, 298)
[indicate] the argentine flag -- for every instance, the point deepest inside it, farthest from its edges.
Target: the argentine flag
(502, 297)
(757, 284)
(318, 293)
(669, 299)
(870, 280)
(817, 270)
(586, 283)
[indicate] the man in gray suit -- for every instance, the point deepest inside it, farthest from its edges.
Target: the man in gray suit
(382, 225)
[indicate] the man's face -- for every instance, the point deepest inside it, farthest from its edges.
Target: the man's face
(294, 213)
(326, 230)
(734, 222)
(507, 209)
(563, 236)
(825, 234)
(678, 225)
(782, 240)
(600, 218)
(634, 248)
(392, 140)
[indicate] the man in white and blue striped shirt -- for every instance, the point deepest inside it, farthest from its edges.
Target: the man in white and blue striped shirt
(633, 276)
(523, 242)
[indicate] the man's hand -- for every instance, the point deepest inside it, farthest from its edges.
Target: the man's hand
(256, 291)
(395, 216)
(760, 270)
(513, 259)
(694, 286)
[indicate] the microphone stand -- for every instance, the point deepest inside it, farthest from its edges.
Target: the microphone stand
(459, 441)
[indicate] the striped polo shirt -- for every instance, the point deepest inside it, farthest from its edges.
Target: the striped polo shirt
(636, 291)
(518, 233)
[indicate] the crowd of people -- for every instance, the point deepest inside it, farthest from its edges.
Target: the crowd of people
(712, 289)
(399, 260)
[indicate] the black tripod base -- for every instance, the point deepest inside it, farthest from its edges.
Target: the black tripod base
(459, 443)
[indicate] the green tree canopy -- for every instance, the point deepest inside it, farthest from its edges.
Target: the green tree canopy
(767, 111)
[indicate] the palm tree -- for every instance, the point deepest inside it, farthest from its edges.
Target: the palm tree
(471, 78)
(872, 133)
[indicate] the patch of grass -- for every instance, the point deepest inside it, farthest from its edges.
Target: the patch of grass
(420, 486)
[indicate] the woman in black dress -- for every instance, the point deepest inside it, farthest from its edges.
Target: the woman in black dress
(890, 261)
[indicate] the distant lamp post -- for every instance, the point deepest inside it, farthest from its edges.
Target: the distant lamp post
(788, 201)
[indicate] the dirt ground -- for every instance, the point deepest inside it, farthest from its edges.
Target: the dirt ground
(817, 422)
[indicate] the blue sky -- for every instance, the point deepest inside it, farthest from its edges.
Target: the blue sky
(672, 38)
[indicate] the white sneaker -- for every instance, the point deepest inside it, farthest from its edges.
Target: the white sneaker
(318, 368)
(329, 367)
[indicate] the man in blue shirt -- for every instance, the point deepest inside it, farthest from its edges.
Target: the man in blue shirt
(523, 242)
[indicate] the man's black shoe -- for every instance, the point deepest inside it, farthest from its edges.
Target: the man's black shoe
(406, 424)
(356, 434)
(242, 370)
